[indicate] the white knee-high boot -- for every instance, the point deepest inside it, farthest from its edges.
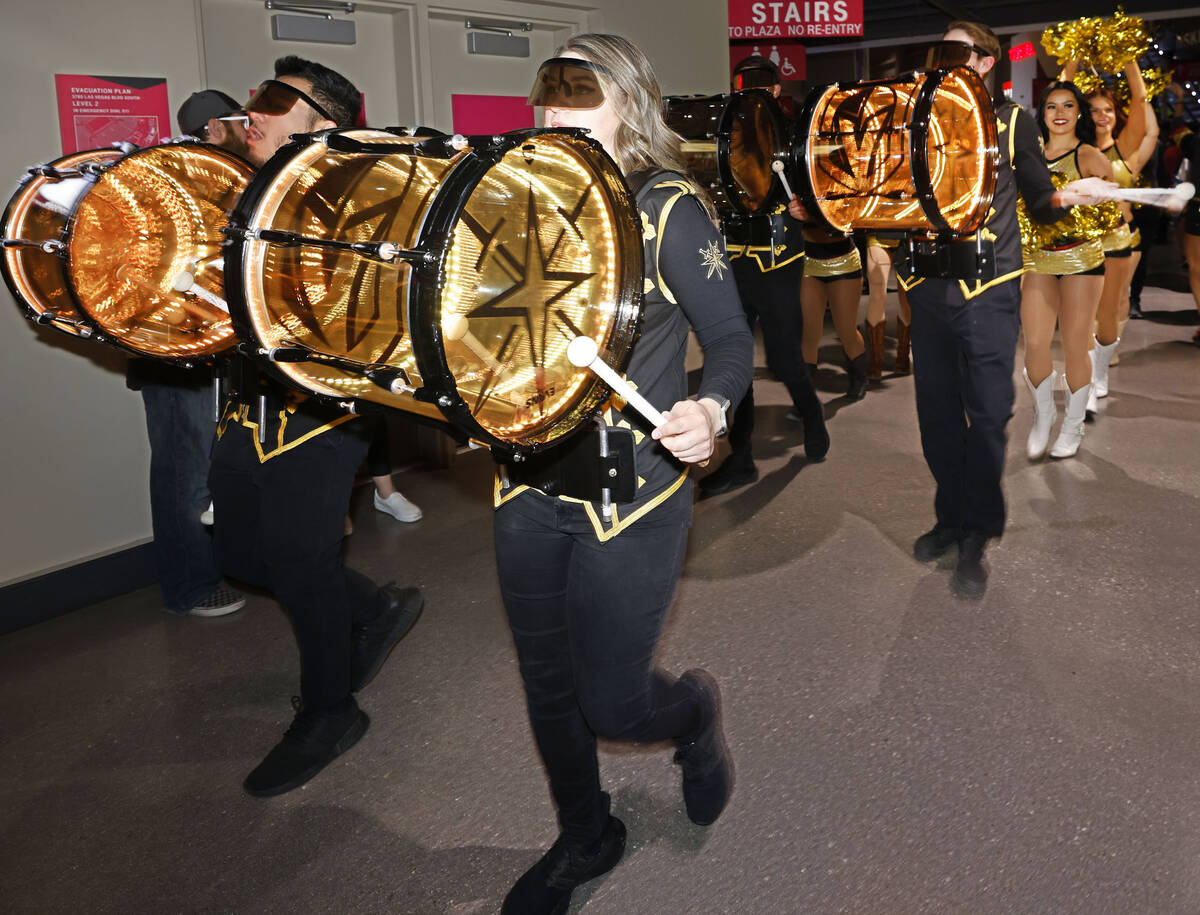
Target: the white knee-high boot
(1101, 359)
(1045, 412)
(1071, 433)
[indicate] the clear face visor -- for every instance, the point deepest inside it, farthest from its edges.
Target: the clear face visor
(566, 82)
(755, 79)
(946, 54)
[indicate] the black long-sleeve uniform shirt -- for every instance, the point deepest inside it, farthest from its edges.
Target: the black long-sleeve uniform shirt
(1022, 168)
(688, 285)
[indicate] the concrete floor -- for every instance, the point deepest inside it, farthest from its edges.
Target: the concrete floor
(898, 750)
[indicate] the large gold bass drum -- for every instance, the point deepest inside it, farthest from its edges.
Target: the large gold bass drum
(137, 257)
(899, 155)
(443, 276)
(34, 228)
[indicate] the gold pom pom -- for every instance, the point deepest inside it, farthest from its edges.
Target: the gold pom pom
(1080, 224)
(1106, 44)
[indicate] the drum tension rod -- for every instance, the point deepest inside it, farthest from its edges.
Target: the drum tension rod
(50, 246)
(384, 251)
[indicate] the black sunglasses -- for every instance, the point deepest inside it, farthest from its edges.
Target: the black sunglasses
(274, 97)
(952, 54)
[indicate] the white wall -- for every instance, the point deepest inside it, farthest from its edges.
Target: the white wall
(73, 454)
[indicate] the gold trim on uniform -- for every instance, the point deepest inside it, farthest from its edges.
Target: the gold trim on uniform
(240, 414)
(833, 266)
(758, 252)
(1077, 258)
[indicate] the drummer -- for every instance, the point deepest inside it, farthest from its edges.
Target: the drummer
(281, 481)
(964, 334)
(766, 252)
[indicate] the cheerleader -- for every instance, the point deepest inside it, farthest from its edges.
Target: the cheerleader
(1064, 278)
(1128, 143)
(880, 253)
(833, 280)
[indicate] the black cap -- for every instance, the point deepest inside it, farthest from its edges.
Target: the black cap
(755, 62)
(199, 107)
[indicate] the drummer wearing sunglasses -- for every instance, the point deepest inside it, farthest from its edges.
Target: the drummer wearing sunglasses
(303, 97)
(281, 495)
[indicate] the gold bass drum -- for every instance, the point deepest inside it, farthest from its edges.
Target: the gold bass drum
(141, 251)
(34, 226)
(899, 155)
(443, 276)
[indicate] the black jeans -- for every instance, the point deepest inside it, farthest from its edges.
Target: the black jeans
(179, 422)
(586, 617)
(772, 299)
(279, 525)
(963, 353)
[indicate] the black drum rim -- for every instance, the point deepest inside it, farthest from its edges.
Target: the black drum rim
(425, 311)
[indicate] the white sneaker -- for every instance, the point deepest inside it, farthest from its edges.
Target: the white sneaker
(206, 516)
(398, 507)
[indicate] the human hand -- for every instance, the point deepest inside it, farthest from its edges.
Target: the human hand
(690, 430)
(796, 210)
(1085, 192)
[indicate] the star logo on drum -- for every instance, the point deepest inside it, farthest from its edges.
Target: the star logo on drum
(712, 257)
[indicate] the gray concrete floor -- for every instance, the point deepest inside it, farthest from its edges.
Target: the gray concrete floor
(898, 750)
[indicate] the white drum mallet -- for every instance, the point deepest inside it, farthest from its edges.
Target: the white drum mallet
(777, 168)
(185, 281)
(1172, 199)
(584, 353)
(457, 327)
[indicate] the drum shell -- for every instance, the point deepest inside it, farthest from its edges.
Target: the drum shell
(38, 278)
(388, 320)
(149, 217)
(898, 155)
(733, 163)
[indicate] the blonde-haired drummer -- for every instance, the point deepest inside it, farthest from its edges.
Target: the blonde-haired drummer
(587, 593)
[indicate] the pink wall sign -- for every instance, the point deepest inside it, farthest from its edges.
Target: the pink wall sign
(490, 113)
(789, 56)
(97, 111)
(783, 19)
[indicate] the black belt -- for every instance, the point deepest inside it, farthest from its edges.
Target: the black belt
(583, 467)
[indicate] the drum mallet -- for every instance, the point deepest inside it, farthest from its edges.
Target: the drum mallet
(186, 282)
(457, 327)
(777, 168)
(584, 353)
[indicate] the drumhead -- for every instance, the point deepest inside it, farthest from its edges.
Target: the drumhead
(729, 143)
(515, 248)
(38, 212)
(752, 136)
(144, 248)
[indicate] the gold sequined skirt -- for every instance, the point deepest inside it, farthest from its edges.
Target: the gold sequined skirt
(1077, 258)
(841, 265)
(1118, 239)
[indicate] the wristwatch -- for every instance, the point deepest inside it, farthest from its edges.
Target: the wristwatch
(723, 403)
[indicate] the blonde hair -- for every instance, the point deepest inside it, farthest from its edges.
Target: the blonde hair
(643, 140)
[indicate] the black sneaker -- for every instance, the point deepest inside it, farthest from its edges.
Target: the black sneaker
(221, 602)
(970, 575)
(729, 476)
(934, 543)
(314, 740)
(374, 641)
(545, 889)
(705, 760)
